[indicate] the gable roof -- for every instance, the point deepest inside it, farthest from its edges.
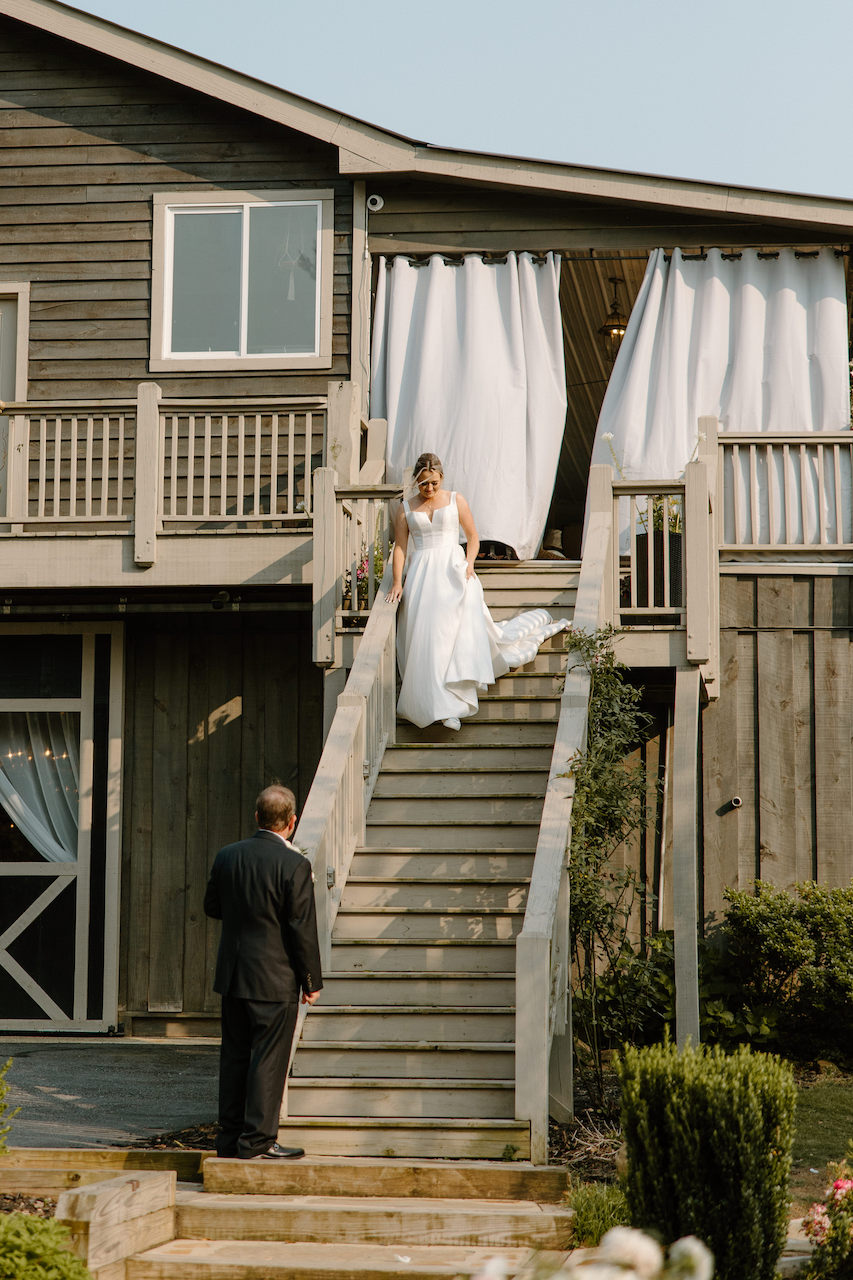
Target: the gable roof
(365, 149)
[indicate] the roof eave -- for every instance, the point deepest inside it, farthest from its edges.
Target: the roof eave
(365, 150)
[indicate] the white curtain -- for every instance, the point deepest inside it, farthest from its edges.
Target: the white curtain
(39, 778)
(758, 342)
(468, 364)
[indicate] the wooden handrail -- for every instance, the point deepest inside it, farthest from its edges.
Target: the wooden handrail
(332, 821)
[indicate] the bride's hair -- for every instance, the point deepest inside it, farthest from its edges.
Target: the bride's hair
(427, 462)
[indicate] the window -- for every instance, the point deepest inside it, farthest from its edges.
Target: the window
(243, 282)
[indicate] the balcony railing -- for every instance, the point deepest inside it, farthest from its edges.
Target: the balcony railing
(787, 493)
(153, 463)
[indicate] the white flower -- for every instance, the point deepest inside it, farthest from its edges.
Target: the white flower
(634, 1249)
(692, 1259)
(702, 436)
(607, 435)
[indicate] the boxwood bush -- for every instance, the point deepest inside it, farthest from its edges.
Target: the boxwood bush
(37, 1249)
(709, 1139)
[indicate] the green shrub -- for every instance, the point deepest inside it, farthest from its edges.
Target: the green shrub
(598, 1206)
(36, 1249)
(4, 1106)
(780, 972)
(709, 1140)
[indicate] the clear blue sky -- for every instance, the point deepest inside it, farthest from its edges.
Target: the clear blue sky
(750, 92)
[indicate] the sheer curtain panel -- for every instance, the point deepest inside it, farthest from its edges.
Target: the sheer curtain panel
(759, 342)
(468, 363)
(39, 778)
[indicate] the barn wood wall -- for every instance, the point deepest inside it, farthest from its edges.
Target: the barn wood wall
(216, 706)
(779, 736)
(84, 142)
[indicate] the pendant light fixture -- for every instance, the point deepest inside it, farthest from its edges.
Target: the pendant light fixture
(613, 330)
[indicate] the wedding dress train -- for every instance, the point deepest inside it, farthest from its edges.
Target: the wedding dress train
(449, 648)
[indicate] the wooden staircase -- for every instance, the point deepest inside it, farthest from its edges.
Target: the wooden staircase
(411, 1049)
(360, 1220)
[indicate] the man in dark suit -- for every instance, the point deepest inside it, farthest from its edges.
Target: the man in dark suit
(262, 890)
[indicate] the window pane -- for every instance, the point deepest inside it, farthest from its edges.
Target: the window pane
(282, 279)
(39, 785)
(40, 666)
(206, 281)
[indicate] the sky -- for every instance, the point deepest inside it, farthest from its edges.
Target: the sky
(752, 93)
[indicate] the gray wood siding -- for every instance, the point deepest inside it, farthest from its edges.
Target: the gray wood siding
(216, 707)
(779, 736)
(84, 142)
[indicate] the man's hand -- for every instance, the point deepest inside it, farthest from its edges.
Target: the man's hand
(310, 997)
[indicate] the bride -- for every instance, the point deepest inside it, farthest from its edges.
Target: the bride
(449, 648)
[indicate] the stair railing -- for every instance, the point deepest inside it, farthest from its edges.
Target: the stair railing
(332, 822)
(351, 534)
(543, 1048)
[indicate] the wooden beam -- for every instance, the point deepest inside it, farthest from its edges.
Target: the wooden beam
(685, 886)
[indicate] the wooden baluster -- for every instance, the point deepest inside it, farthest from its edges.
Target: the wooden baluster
(205, 467)
(274, 429)
(291, 462)
(223, 463)
(106, 439)
(256, 488)
(241, 465)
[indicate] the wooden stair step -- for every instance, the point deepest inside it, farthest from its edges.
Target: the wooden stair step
(335, 1175)
(313, 1219)
(405, 1060)
(461, 990)
(481, 732)
(405, 757)
(480, 809)
(408, 893)
(468, 1137)
(507, 708)
(396, 1098)
(440, 783)
(425, 864)
(453, 836)
(454, 954)
(539, 683)
(425, 924)
(261, 1260)
(410, 1022)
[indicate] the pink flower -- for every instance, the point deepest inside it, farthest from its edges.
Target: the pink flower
(816, 1224)
(840, 1188)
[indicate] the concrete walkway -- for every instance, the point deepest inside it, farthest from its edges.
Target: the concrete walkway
(75, 1092)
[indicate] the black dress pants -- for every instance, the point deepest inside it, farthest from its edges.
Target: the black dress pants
(253, 1060)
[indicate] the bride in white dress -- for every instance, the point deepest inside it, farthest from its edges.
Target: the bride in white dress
(449, 648)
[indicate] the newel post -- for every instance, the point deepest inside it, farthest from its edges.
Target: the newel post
(327, 587)
(18, 471)
(146, 501)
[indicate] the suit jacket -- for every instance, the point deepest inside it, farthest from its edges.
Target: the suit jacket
(262, 890)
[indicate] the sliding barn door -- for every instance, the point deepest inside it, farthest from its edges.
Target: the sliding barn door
(60, 768)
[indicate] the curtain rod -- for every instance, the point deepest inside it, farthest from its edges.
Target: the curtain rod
(572, 255)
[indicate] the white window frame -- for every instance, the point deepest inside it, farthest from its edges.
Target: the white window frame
(165, 204)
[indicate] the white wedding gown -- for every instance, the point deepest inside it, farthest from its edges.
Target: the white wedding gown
(449, 648)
